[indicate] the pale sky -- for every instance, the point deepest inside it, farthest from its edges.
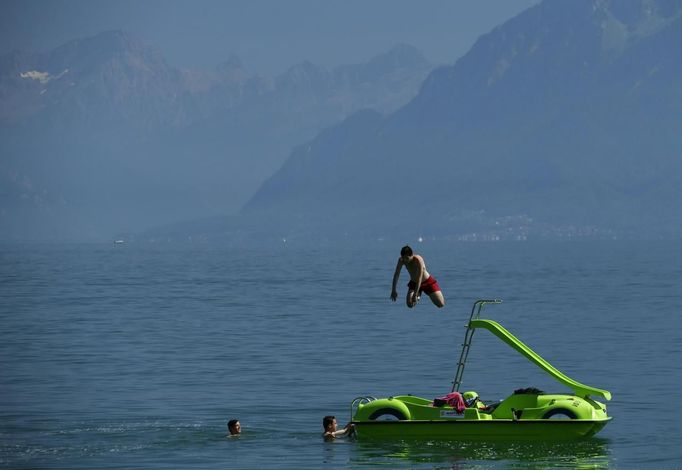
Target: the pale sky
(268, 35)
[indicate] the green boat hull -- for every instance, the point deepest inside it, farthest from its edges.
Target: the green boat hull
(529, 416)
(463, 429)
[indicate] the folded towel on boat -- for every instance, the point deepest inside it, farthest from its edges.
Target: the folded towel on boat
(453, 399)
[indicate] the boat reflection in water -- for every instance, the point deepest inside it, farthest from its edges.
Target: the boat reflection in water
(591, 453)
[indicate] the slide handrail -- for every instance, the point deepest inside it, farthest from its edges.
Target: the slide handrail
(498, 330)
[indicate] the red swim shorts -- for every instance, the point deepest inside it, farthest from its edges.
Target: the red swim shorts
(429, 286)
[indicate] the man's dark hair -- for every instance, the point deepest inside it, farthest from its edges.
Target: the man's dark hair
(327, 420)
(406, 251)
(232, 423)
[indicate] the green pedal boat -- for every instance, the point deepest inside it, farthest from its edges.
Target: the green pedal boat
(527, 414)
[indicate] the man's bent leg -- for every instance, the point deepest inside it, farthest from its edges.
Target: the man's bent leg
(437, 299)
(408, 300)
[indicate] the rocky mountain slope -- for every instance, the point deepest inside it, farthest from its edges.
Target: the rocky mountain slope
(562, 122)
(102, 135)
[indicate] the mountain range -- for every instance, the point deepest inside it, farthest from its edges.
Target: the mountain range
(102, 135)
(563, 122)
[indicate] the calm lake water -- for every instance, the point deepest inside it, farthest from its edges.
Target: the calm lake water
(135, 356)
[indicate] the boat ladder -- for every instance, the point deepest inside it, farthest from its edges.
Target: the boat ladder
(475, 313)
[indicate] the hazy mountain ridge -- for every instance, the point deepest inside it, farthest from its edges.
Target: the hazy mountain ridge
(106, 78)
(549, 120)
(104, 133)
(114, 60)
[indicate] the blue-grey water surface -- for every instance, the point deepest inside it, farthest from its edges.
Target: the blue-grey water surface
(135, 356)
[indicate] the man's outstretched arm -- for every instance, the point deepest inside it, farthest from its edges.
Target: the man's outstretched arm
(396, 275)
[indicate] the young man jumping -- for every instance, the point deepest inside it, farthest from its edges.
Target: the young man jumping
(420, 280)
